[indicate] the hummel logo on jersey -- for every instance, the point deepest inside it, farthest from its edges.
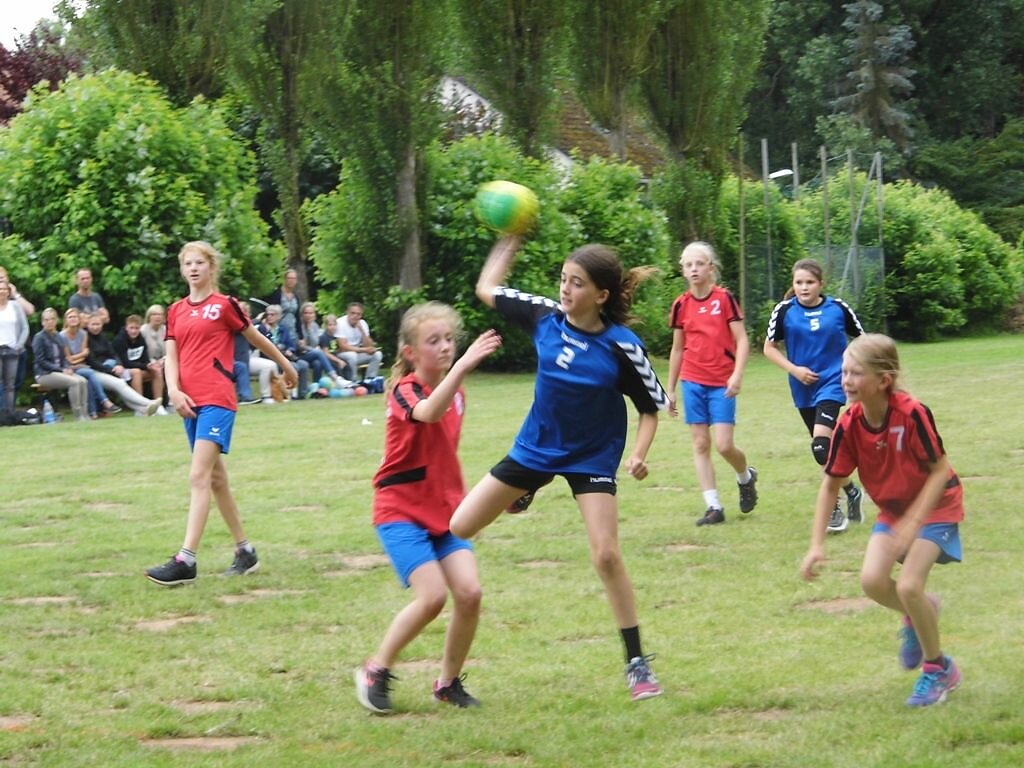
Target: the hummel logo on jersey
(214, 430)
(602, 479)
(578, 343)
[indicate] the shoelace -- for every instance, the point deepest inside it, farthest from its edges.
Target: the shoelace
(383, 678)
(926, 682)
(640, 670)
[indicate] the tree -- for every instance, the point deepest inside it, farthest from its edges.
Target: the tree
(40, 55)
(173, 43)
(610, 43)
(105, 173)
(376, 105)
(513, 47)
(878, 82)
(267, 51)
(701, 60)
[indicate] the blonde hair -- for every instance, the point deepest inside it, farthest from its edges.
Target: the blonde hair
(408, 333)
(877, 353)
(707, 250)
(208, 252)
(154, 308)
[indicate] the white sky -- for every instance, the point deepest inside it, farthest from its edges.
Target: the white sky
(18, 17)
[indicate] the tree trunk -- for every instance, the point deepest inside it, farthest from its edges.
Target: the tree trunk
(410, 276)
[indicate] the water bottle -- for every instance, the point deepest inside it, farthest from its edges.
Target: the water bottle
(49, 417)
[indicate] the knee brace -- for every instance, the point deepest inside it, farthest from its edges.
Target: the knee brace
(819, 448)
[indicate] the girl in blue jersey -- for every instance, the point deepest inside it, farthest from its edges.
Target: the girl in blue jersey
(585, 355)
(814, 329)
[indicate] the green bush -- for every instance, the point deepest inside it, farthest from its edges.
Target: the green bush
(104, 173)
(598, 202)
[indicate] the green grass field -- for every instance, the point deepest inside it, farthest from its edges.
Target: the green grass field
(98, 667)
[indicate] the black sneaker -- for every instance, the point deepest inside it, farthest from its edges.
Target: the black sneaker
(853, 502)
(455, 694)
(748, 493)
(244, 562)
(837, 520)
(713, 516)
(373, 689)
(521, 504)
(172, 573)
(251, 401)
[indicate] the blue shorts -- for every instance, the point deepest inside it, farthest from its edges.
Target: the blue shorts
(409, 546)
(213, 423)
(946, 537)
(707, 405)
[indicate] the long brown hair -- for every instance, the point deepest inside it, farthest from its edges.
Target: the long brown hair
(805, 265)
(602, 265)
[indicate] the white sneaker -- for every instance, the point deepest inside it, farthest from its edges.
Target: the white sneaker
(161, 411)
(268, 401)
(341, 382)
(150, 409)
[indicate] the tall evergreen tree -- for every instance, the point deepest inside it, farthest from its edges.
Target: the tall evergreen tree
(513, 46)
(878, 83)
(701, 60)
(610, 44)
(376, 105)
(267, 52)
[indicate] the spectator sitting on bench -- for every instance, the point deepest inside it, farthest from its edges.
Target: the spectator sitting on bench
(132, 352)
(52, 369)
(78, 351)
(154, 331)
(280, 337)
(356, 344)
(111, 374)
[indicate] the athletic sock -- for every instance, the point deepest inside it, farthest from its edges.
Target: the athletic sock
(940, 660)
(711, 499)
(246, 546)
(631, 639)
(743, 477)
(186, 556)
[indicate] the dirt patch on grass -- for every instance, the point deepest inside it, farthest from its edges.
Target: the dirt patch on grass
(104, 506)
(258, 594)
(364, 562)
(540, 564)
(202, 743)
(37, 545)
(101, 574)
(16, 722)
(44, 600)
(303, 508)
(840, 605)
(196, 707)
(166, 625)
(685, 547)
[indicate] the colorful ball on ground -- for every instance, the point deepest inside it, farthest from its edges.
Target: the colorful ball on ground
(507, 207)
(360, 391)
(326, 382)
(336, 393)
(347, 392)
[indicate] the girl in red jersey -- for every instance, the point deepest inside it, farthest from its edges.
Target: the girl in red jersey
(417, 488)
(709, 354)
(891, 440)
(200, 351)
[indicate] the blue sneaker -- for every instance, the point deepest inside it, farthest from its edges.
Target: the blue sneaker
(911, 654)
(935, 684)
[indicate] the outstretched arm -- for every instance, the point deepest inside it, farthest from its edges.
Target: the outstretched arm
(499, 262)
(433, 408)
(816, 552)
